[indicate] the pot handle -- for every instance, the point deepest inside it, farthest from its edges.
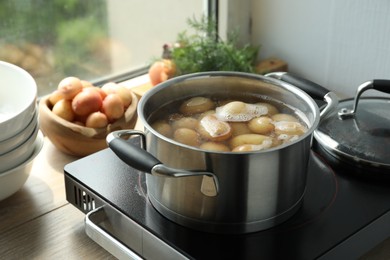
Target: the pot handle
(142, 160)
(313, 89)
(132, 155)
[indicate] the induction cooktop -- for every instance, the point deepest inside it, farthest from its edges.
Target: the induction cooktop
(341, 217)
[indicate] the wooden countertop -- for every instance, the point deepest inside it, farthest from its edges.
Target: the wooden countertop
(38, 223)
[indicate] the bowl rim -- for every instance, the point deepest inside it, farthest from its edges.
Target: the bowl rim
(38, 144)
(25, 149)
(21, 136)
(31, 105)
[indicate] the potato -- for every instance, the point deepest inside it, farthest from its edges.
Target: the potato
(196, 105)
(214, 146)
(102, 94)
(254, 147)
(248, 139)
(56, 96)
(163, 128)
(186, 136)
(96, 120)
(238, 111)
(261, 125)
(272, 110)
(185, 122)
(228, 124)
(289, 128)
(208, 112)
(86, 102)
(174, 117)
(86, 84)
(113, 107)
(210, 128)
(125, 94)
(284, 117)
(109, 88)
(239, 128)
(234, 108)
(69, 87)
(63, 109)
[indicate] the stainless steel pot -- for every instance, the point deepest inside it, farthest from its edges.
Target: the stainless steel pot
(223, 192)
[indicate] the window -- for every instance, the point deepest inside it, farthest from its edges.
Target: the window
(95, 40)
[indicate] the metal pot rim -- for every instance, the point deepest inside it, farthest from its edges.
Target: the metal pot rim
(276, 82)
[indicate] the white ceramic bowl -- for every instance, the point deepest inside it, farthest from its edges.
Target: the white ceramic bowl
(11, 181)
(19, 138)
(18, 95)
(18, 155)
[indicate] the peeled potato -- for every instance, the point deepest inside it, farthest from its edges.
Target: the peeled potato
(254, 147)
(210, 128)
(163, 128)
(239, 128)
(228, 125)
(186, 136)
(289, 128)
(214, 146)
(238, 111)
(284, 117)
(261, 125)
(272, 110)
(196, 105)
(248, 139)
(185, 122)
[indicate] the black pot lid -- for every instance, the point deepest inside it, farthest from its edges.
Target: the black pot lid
(360, 131)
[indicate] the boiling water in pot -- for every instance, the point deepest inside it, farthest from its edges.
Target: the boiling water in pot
(229, 125)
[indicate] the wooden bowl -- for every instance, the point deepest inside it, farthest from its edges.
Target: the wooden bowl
(79, 140)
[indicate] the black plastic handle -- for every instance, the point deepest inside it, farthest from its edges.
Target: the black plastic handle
(313, 89)
(381, 85)
(133, 155)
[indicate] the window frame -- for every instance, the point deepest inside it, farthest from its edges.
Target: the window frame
(211, 9)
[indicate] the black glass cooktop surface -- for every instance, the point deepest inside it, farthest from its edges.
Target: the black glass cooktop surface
(340, 215)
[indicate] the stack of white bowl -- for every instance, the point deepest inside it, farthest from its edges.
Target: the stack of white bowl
(20, 138)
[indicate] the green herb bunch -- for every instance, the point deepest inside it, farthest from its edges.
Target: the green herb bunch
(206, 51)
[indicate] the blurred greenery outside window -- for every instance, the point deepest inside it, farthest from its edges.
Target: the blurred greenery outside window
(95, 40)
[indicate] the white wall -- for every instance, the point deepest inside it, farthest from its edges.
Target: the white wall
(336, 43)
